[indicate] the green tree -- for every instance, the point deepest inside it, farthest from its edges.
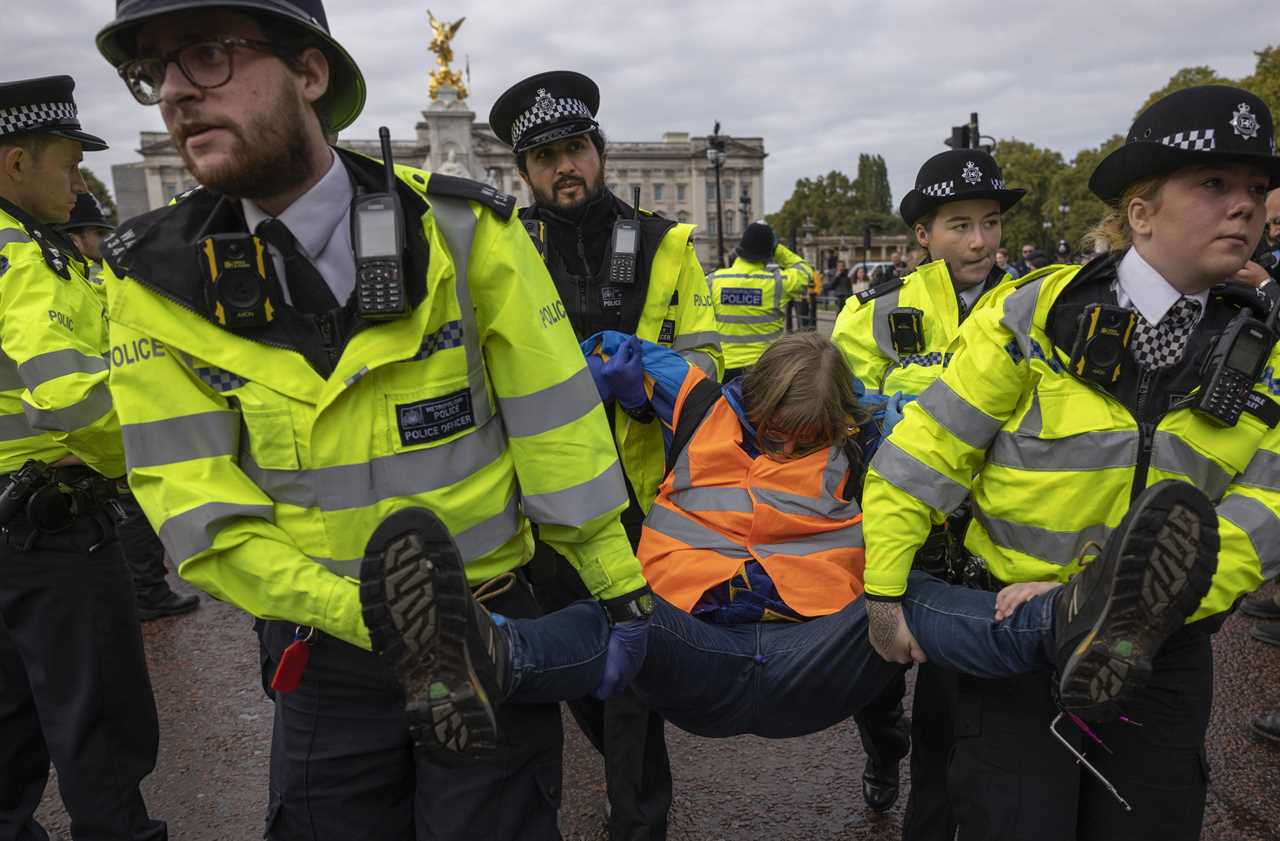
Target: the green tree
(1071, 184)
(871, 186)
(1187, 77)
(1265, 81)
(102, 193)
(828, 201)
(1033, 169)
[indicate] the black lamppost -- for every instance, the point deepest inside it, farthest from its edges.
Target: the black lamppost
(1063, 210)
(1048, 235)
(744, 206)
(716, 157)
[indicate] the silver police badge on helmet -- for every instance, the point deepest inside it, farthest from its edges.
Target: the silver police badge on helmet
(971, 174)
(1245, 122)
(544, 105)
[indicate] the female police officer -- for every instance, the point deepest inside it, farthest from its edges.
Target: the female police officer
(1068, 394)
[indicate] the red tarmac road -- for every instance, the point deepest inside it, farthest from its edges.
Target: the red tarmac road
(211, 780)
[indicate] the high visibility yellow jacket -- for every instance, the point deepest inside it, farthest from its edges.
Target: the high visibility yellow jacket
(1052, 461)
(54, 400)
(862, 329)
(750, 300)
(264, 479)
(98, 282)
(788, 259)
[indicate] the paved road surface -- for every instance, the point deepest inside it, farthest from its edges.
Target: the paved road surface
(215, 726)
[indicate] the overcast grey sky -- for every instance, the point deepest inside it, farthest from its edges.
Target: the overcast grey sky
(820, 82)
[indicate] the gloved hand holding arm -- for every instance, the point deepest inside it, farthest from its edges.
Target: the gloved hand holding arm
(628, 643)
(624, 375)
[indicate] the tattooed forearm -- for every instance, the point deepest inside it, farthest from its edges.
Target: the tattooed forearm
(883, 619)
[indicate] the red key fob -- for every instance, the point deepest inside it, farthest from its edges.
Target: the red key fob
(293, 662)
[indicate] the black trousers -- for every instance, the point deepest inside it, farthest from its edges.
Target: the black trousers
(928, 814)
(1010, 779)
(343, 767)
(74, 687)
(630, 737)
(143, 552)
(884, 734)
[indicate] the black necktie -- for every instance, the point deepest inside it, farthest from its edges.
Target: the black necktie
(307, 290)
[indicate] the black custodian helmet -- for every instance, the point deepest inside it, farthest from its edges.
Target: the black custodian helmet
(342, 102)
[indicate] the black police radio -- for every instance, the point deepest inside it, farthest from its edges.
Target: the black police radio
(240, 280)
(1230, 369)
(625, 246)
(1103, 332)
(377, 232)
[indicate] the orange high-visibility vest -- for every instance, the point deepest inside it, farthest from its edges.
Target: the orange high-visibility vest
(719, 507)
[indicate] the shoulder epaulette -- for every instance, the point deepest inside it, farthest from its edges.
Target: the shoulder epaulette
(879, 289)
(185, 194)
(537, 230)
(503, 204)
(53, 256)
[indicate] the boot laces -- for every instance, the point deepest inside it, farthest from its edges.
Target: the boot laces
(494, 587)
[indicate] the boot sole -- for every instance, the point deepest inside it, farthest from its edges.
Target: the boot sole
(414, 598)
(1167, 561)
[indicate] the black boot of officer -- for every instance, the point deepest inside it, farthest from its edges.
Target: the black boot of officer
(145, 556)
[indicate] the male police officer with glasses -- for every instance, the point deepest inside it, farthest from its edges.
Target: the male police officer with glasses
(341, 347)
(74, 687)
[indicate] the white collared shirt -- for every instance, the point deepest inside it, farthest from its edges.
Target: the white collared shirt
(971, 295)
(320, 220)
(1140, 287)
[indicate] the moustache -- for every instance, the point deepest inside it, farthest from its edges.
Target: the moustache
(570, 182)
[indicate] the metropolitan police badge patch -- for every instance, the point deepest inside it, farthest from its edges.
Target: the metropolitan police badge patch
(425, 421)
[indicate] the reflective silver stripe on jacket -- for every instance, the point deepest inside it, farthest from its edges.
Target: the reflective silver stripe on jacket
(910, 475)
(552, 407)
(173, 440)
(1087, 451)
(751, 338)
(472, 543)
(1263, 471)
(457, 223)
(807, 506)
(58, 363)
(702, 361)
(580, 503)
(1055, 547)
(76, 416)
(1019, 312)
(8, 236)
(9, 377)
(690, 341)
(1173, 455)
(1261, 525)
(848, 537)
(880, 309)
(958, 416)
(193, 531)
(14, 427)
(678, 527)
(775, 313)
(713, 499)
(385, 477)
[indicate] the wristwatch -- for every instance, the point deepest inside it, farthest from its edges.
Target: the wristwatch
(638, 604)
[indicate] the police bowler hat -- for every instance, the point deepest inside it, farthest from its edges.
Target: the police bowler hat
(88, 213)
(758, 243)
(956, 175)
(345, 97)
(1205, 124)
(46, 106)
(544, 108)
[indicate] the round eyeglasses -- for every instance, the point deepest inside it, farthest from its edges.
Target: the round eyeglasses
(205, 64)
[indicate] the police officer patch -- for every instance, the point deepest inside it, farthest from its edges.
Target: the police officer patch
(742, 297)
(424, 421)
(667, 334)
(610, 297)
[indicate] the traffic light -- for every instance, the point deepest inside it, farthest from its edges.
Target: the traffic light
(959, 138)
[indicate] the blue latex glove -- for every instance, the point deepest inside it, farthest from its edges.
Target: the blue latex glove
(625, 374)
(893, 408)
(596, 365)
(628, 642)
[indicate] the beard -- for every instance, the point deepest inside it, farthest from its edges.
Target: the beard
(269, 156)
(551, 201)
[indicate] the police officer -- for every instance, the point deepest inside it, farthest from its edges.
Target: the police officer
(1069, 392)
(750, 296)
(142, 549)
(616, 268)
(75, 689)
(278, 405)
(896, 337)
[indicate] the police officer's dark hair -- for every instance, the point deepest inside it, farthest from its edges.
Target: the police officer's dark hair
(293, 41)
(31, 142)
(597, 140)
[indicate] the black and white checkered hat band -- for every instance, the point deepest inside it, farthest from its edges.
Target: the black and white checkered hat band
(940, 190)
(1200, 140)
(27, 117)
(547, 110)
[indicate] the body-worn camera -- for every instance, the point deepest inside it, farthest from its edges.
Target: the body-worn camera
(1103, 332)
(906, 329)
(241, 284)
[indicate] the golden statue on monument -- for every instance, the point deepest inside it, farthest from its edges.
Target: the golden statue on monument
(444, 76)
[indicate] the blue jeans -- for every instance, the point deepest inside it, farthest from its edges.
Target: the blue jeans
(774, 679)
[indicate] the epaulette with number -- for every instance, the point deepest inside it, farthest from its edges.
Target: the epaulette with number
(53, 256)
(503, 204)
(879, 289)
